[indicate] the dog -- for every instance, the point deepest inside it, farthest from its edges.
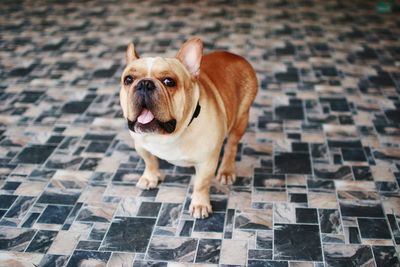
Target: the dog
(181, 109)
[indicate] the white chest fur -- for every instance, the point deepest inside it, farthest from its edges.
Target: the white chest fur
(165, 148)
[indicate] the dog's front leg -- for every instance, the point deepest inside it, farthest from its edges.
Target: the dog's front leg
(200, 206)
(151, 173)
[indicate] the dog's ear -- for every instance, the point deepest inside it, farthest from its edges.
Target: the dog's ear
(131, 54)
(190, 55)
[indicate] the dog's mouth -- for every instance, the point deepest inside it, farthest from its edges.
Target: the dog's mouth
(147, 123)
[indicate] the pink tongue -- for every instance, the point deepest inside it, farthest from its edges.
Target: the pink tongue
(145, 116)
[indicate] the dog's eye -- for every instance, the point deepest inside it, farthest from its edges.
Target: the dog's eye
(128, 80)
(169, 82)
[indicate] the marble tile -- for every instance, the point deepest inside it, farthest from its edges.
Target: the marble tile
(169, 214)
(15, 239)
(348, 255)
(121, 259)
(254, 219)
(82, 258)
(330, 221)
(41, 241)
(214, 223)
(13, 258)
(352, 235)
(135, 232)
(319, 158)
(233, 252)
(208, 251)
(88, 245)
(264, 240)
(295, 163)
(284, 213)
(305, 215)
(35, 154)
(96, 212)
(385, 256)
(149, 209)
(17, 211)
(374, 228)
(255, 263)
(172, 249)
(260, 254)
(54, 214)
(50, 260)
(297, 242)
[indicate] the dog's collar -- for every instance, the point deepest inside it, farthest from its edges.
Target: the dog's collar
(196, 113)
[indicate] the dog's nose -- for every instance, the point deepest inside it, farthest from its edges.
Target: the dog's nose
(146, 85)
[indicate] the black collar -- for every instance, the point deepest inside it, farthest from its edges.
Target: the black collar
(196, 113)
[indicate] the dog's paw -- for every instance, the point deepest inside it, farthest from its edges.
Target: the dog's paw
(226, 177)
(200, 207)
(147, 183)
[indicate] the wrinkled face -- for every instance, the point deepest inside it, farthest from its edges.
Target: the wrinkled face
(155, 95)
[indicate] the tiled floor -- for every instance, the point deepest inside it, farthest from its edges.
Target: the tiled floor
(319, 167)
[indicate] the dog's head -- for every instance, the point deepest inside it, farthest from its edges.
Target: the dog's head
(157, 94)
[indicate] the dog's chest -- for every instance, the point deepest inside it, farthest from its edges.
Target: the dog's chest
(169, 152)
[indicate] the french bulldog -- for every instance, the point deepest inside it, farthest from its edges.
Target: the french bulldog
(181, 109)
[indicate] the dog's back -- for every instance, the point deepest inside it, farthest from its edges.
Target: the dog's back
(234, 80)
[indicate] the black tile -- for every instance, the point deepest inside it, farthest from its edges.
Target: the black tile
(330, 221)
(354, 235)
(82, 258)
(128, 234)
(54, 214)
(385, 256)
(374, 228)
(50, 260)
(353, 154)
(2, 212)
(362, 173)
(35, 154)
(348, 255)
(289, 113)
(88, 245)
(364, 209)
(75, 107)
(292, 163)
(297, 198)
(300, 147)
(6, 201)
(186, 228)
(214, 223)
(305, 215)
(10, 186)
(30, 220)
(63, 197)
(97, 147)
(297, 242)
(149, 209)
(42, 241)
(208, 251)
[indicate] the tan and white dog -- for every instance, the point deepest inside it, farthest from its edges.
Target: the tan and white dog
(181, 109)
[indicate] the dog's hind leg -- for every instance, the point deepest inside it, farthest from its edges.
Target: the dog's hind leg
(227, 170)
